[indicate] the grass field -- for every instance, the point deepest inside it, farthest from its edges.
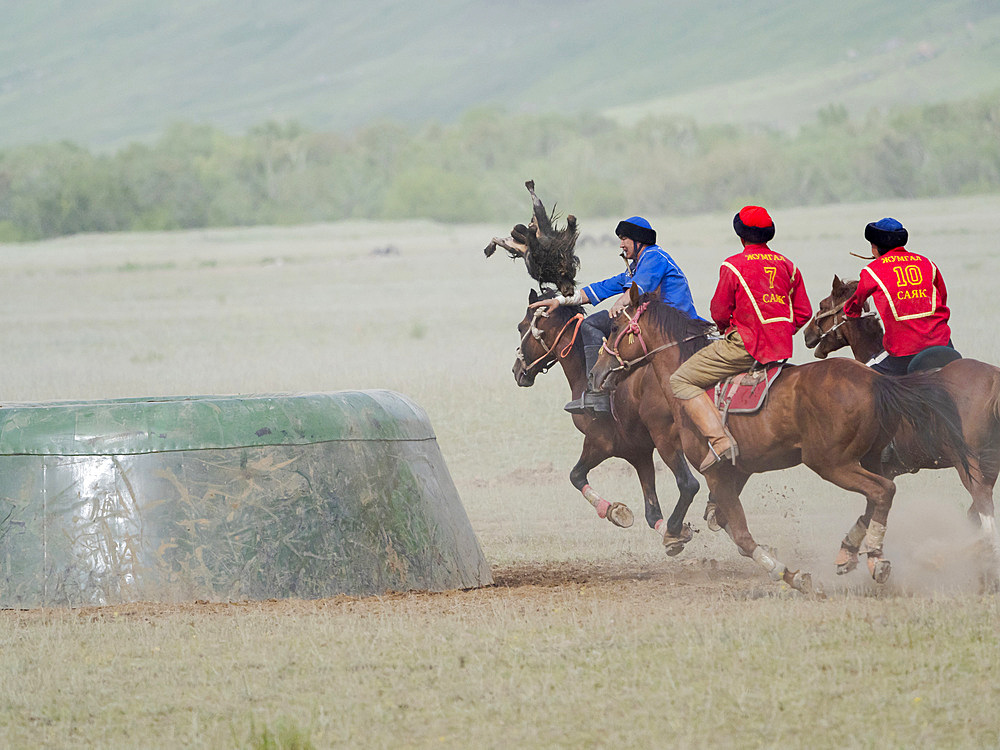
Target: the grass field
(592, 637)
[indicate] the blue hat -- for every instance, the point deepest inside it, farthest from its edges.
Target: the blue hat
(886, 233)
(637, 229)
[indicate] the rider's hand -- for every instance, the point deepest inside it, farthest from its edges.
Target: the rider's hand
(548, 304)
(620, 304)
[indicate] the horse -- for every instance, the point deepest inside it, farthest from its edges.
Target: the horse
(835, 416)
(974, 385)
(641, 420)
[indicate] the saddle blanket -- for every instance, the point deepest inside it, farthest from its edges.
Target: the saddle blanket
(744, 393)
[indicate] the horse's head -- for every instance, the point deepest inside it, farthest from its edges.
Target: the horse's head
(644, 328)
(545, 339)
(824, 332)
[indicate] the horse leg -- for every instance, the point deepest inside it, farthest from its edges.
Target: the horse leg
(725, 485)
(642, 462)
(712, 514)
(847, 557)
(850, 546)
(878, 491)
(676, 533)
(692, 449)
(593, 454)
(979, 481)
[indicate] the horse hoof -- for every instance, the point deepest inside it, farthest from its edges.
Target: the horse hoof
(846, 561)
(879, 569)
(674, 545)
(802, 582)
(620, 515)
(710, 519)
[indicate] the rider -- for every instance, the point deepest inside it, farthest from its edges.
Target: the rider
(759, 304)
(649, 267)
(909, 295)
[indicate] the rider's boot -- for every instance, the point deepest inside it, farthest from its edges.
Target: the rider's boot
(591, 401)
(721, 444)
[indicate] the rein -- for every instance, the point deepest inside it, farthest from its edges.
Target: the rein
(833, 312)
(632, 329)
(536, 333)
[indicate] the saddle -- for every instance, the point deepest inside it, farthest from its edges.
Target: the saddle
(932, 358)
(744, 393)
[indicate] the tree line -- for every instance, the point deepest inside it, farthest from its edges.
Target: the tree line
(472, 171)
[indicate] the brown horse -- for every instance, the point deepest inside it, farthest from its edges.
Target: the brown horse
(641, 420)
(834, 416)
(974, 385)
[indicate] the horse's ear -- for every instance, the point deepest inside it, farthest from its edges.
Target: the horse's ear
(633, 294)
(837, 283)
(532, 297)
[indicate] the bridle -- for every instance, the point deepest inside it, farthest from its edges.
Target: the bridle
(632, 330)
(536, 333)
(832, 312)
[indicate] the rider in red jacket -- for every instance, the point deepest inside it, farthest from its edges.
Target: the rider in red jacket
(908, 293)
(761, 295)
(759, 303)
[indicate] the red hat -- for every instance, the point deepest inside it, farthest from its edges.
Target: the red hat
(754, 224)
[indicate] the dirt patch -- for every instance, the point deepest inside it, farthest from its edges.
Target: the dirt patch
(522, 584)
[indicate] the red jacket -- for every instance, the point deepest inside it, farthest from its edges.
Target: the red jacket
(761, 294)
(911, 299)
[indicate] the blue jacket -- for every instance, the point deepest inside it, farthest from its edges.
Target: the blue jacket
(652, 271)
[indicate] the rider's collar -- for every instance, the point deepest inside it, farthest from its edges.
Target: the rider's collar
(899, 249)
(642, 252)
(631, 264)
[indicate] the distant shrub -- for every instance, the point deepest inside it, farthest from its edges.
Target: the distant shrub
(198, 176)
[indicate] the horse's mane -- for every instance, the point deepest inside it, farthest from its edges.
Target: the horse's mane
(675, 325)
(871, 326)
(846, 291)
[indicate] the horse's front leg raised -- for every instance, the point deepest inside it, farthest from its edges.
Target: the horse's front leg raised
(596, 448)
(725, 484)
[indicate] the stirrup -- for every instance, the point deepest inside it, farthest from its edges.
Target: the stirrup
(714, 457)
(590, 401)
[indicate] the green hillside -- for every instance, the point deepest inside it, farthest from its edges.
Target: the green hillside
(107, 72)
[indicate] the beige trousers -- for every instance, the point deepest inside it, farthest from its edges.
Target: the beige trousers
(706, 367)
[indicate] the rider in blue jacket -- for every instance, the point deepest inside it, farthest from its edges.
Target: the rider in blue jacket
(651, 269)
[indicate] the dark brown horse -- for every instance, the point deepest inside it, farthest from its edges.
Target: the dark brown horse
(834, 416)
(642, 420)
(974, 385)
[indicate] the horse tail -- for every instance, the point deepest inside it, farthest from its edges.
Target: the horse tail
(994, 403)
(928, 408)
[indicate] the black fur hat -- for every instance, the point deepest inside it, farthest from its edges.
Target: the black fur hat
(637, 229)
(754, 225)
(886, 234)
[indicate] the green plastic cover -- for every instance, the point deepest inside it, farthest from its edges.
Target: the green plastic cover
(225, 498)
(129, 426)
